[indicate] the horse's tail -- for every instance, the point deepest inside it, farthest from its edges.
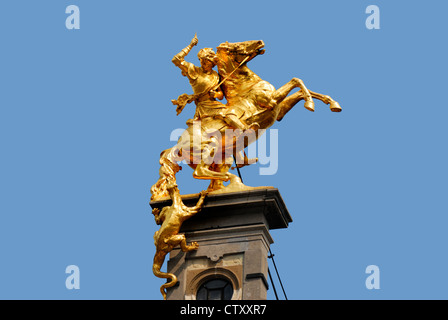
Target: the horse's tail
(158, 261)
(167, 173)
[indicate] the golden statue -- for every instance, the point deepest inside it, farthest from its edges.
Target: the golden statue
(252, 104)
(168, 237)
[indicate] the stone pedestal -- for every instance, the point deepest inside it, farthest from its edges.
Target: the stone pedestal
(233, 235)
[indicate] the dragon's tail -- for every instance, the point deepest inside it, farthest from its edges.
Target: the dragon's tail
(158, 261)
(167, 173)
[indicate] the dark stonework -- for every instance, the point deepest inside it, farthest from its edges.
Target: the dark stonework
(233, 235)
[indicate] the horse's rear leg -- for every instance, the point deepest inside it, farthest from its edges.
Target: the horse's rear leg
(204, 172)
(216, 184)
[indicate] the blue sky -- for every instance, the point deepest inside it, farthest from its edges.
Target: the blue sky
(85, 114)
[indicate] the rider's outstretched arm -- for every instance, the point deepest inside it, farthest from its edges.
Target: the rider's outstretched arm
(178, 59)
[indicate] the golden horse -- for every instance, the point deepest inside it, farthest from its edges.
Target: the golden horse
(255, 101)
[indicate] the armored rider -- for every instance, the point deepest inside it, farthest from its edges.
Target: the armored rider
(205, 83)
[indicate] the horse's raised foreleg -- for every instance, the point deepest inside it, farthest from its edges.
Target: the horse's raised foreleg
(280, 94)
(289, 102)
(334, 106)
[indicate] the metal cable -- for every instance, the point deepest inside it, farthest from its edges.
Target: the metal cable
(238, 169)
(272, 282)
(271, 256)
(278, 275)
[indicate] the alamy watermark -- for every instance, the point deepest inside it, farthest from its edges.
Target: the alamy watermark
(373, 280)
(212, 146)
(73, 20)
(373, 20)
(73, 280)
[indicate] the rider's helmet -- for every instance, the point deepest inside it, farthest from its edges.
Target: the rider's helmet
(207, 54)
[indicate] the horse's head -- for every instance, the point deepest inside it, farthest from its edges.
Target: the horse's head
(240, 51)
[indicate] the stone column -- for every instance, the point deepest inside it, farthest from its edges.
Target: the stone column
(233, 235)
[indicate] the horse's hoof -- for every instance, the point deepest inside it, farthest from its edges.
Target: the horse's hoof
(309, 105)
(335, 107)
